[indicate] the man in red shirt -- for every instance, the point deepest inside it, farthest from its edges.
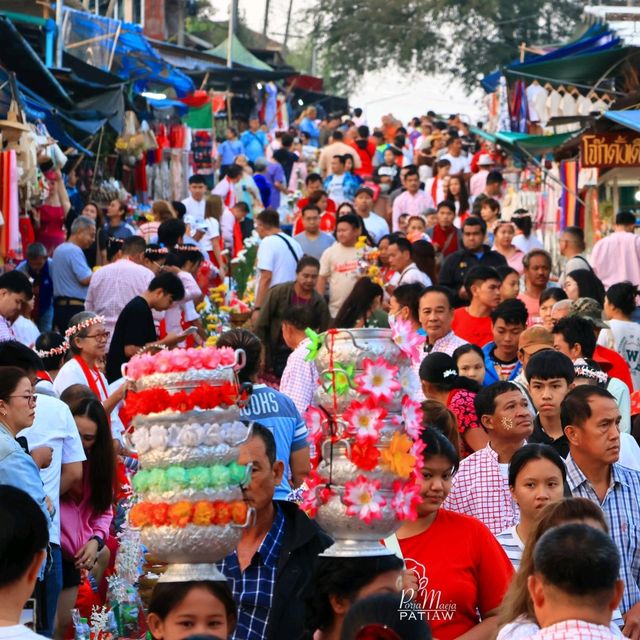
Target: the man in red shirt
(445, 236)
(366, 149)
(312, 184)
(473, 323)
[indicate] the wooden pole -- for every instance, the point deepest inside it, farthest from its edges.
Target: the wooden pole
(266, 17)
(286, 31)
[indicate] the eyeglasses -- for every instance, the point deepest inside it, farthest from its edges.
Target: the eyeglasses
(100, 336)
(31, 398)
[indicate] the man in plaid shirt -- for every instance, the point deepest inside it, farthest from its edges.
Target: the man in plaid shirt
(299, 378)
(574, 598)
(591, 421)
(270, 569)
(481, 487)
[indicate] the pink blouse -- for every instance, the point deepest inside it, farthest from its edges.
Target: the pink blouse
(78, 523)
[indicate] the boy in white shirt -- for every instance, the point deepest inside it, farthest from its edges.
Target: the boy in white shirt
(23, 549)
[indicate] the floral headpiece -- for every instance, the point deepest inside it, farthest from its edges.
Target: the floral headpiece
(156, 251)
(585, 371)
(449, 372)
(85, 324)
(54, 351)
(187, 247)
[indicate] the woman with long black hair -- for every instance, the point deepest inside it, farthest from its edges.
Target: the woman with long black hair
(86, 511)
(362, 308)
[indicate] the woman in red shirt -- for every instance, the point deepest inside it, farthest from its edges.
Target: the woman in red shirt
(441, 382)
(459, 591)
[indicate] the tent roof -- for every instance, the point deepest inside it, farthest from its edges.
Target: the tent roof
(535, 145)
(121, 48)
(583, 61)
(239, 55)
(629, 119)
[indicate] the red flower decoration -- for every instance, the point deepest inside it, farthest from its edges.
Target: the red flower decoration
(364, 455)
(203, 396)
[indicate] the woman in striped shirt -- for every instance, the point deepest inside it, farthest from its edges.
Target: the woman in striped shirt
(537, 476)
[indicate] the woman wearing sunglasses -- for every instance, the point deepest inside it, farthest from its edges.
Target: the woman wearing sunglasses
(460, 571)
(17, 412)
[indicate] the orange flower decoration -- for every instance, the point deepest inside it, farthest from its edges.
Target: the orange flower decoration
(159, 513)
(224, 513)
(140, 515)
(397, 458)
(180, 513)
(239, 512)
(204, 513)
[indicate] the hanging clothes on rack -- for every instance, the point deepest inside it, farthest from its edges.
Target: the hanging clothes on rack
(504, 123)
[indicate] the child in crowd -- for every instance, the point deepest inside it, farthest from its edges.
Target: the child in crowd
(508, 321)
(200, 608)
(550, 375)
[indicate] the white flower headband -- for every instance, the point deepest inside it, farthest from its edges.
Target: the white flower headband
(585, 371)
(449, 372)
(85, 324)
(54, 351)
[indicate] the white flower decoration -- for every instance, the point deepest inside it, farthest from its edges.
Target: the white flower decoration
(191, 435)
(234, 432)
(212, 435)
(158, 437)
(140, 439)
(173, 435)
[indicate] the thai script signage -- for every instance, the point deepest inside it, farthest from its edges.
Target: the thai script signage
(610, 149)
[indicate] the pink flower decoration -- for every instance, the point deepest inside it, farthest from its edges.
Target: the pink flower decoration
(312, 497)
(416, 450)
(412, 416)
(163, 362)
(409, 341)
(378, 379)
(405, 500)
(365, 420)
(363, 499)
(226, 355)
(210, 358)
(180, 360)
(314, 418)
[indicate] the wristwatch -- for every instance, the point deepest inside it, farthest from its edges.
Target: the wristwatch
(100, 542)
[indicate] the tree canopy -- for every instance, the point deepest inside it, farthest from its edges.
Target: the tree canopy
(468, 38)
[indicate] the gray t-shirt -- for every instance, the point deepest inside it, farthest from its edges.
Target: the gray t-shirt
(317, 246)
(68, 267)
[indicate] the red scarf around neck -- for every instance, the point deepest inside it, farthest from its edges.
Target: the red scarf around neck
(92, 383)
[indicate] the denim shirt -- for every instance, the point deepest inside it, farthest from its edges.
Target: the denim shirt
(18, 469)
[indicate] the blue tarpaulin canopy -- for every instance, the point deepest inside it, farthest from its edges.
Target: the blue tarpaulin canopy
(121, 48)
(629, 119)
(582, 61)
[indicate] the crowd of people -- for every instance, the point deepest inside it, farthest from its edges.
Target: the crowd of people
(529, 383)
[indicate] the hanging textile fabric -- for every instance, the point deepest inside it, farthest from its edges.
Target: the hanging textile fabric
(503, 106)
(11, 246)
(519, 108)
(568, 201)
